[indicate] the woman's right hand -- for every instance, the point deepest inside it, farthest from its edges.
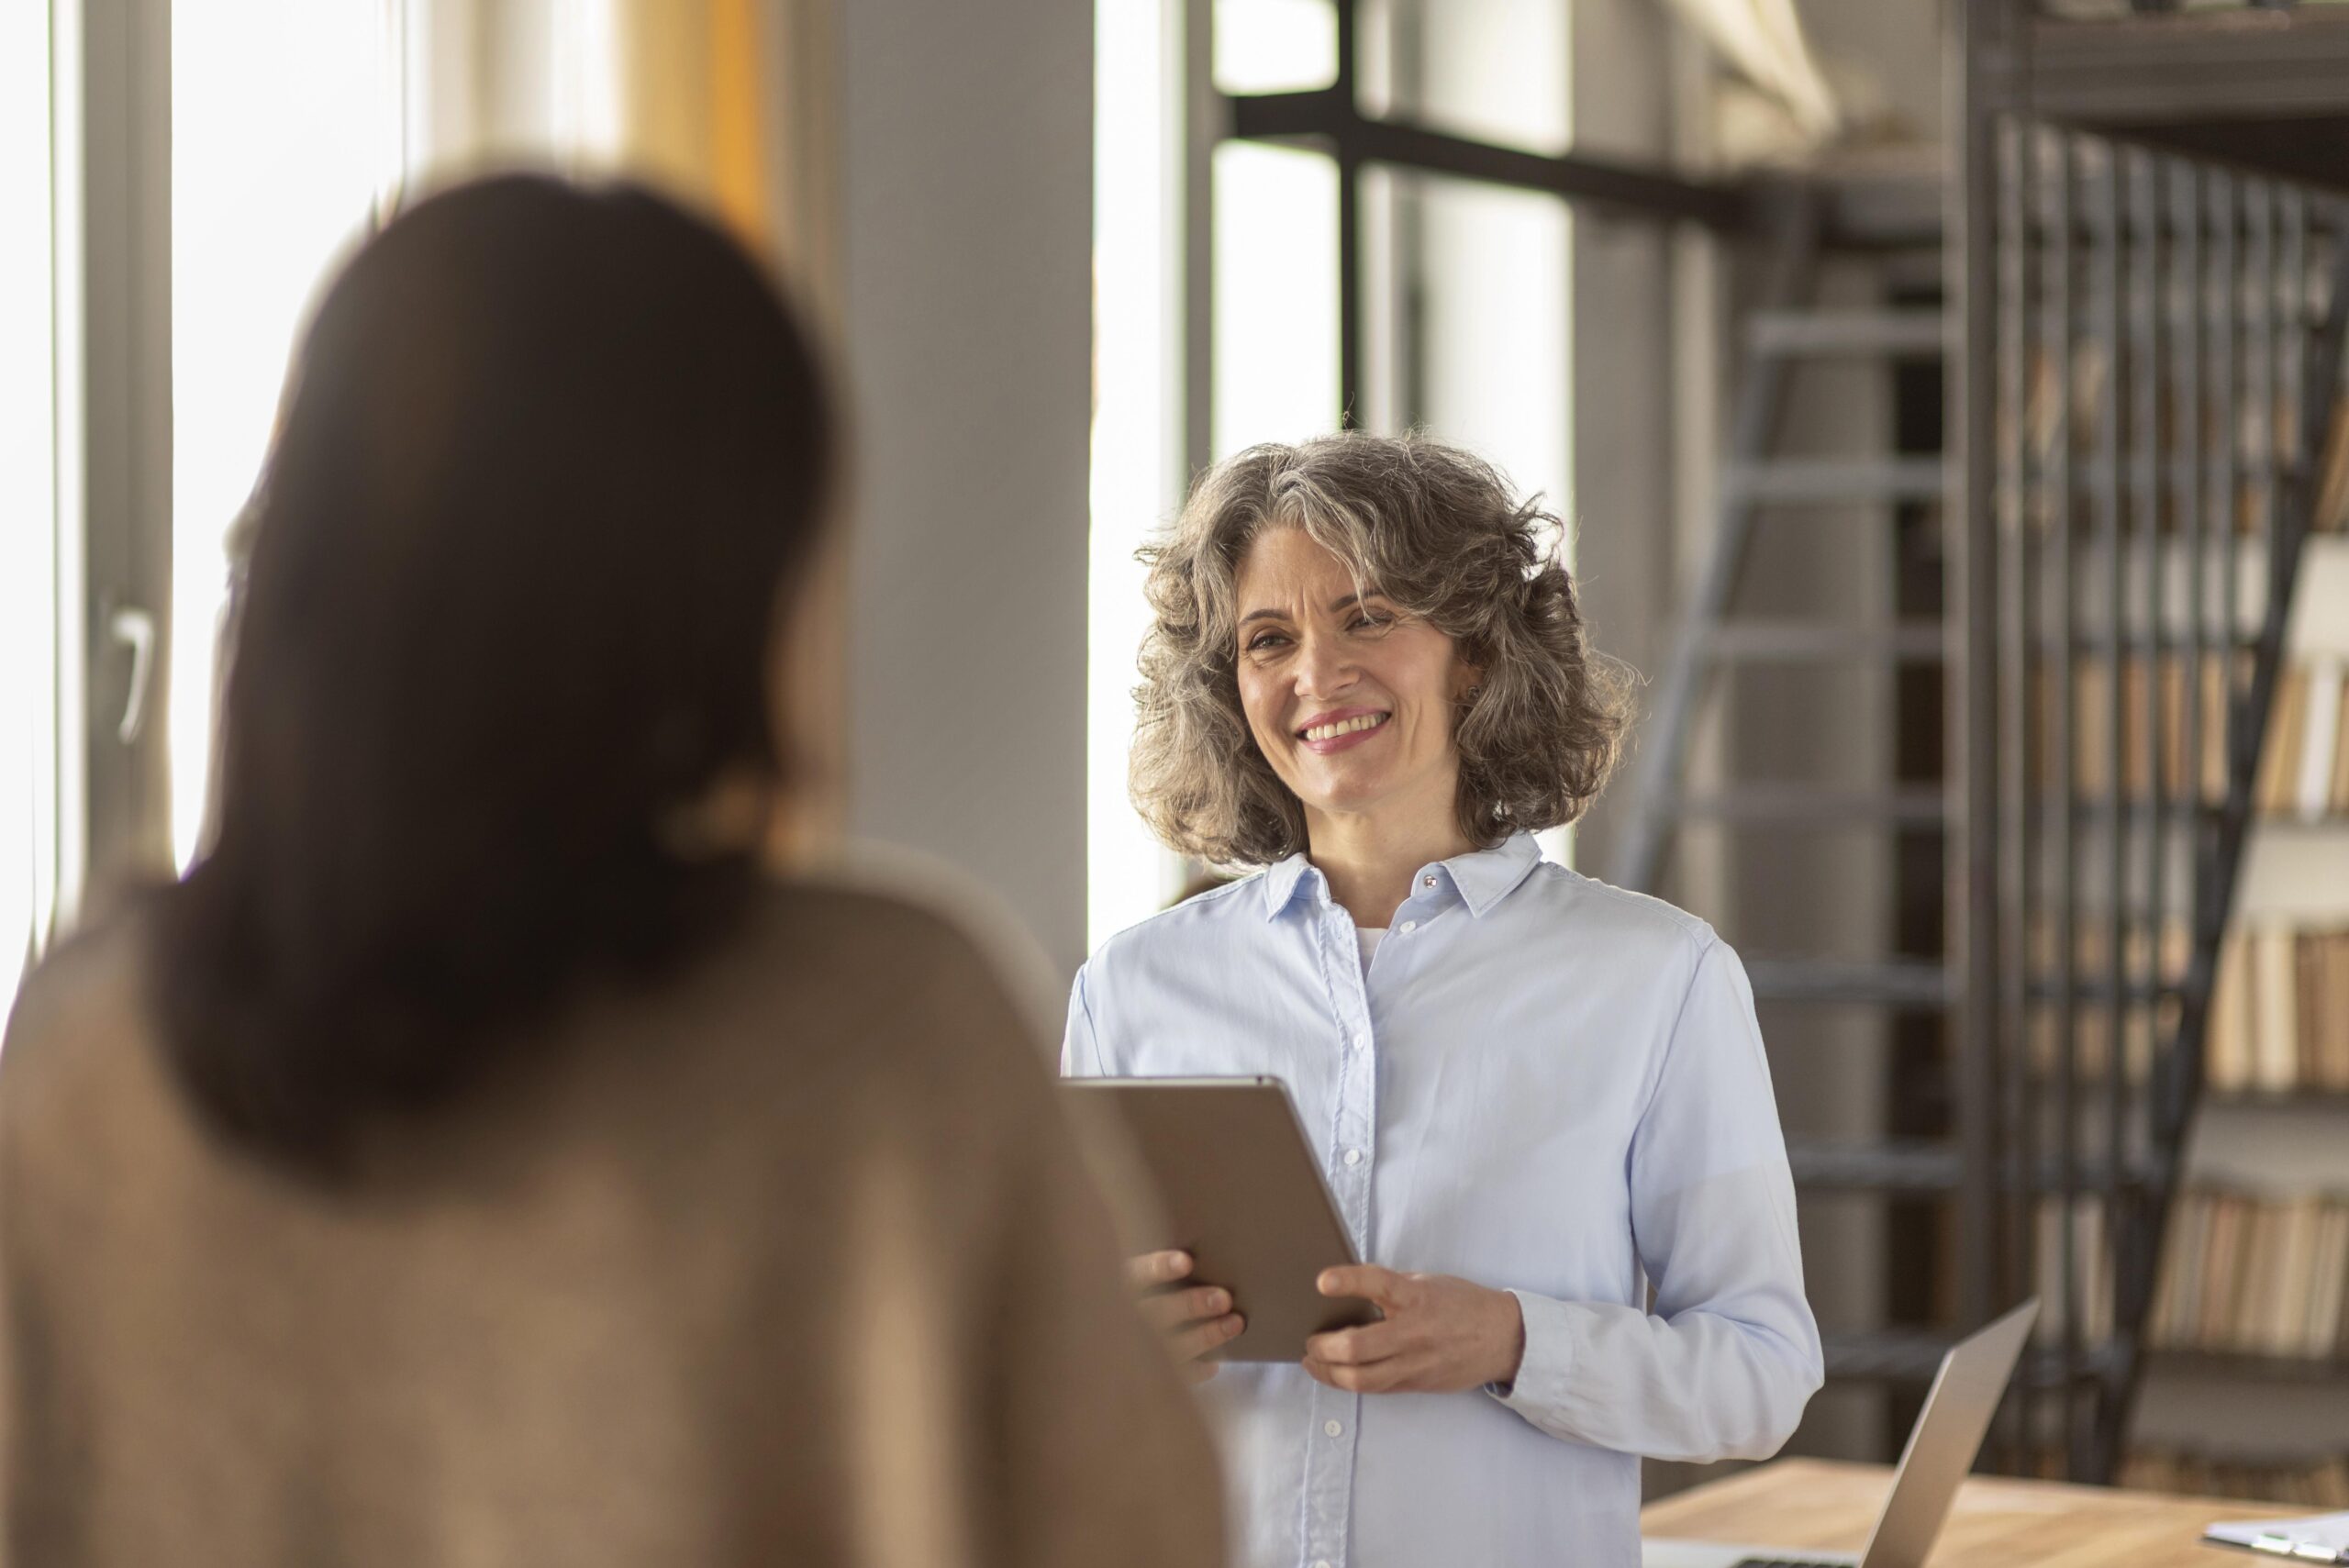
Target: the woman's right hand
(1194, 1320)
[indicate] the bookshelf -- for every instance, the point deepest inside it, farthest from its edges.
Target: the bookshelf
(2247, 1395)
(2157, 287)
(2138, 653)
(2252, 1280)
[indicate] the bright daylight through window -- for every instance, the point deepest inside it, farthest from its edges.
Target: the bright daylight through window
(285, 131)
(293, 124)
(27, 497)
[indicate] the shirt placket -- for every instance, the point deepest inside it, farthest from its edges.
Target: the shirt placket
(1335, 1414)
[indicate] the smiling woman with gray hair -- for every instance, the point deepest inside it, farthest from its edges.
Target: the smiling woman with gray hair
(1536, 1096)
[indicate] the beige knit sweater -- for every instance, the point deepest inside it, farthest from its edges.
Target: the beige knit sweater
(791, 1263)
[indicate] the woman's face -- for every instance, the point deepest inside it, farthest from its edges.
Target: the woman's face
(1351, 702)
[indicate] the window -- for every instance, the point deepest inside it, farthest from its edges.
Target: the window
(1136, 424)
(1276, 332)
(1461, 293)
(1468, 336)
(28, 495)
(226, 174)
(285, 133)
(294, 126)
(1275, 46)
(1491, 70)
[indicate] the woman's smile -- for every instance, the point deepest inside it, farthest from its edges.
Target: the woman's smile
(1342, 730)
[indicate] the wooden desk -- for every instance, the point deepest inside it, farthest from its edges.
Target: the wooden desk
(1815, 1505)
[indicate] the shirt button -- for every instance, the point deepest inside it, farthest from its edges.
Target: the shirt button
(1353, 1156)
(1427, 881)
(1362, 1039)
(1335, 1428)
(1323, 1564)
(1410, 925)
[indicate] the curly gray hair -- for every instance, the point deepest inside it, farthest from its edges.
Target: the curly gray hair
(1440, 532)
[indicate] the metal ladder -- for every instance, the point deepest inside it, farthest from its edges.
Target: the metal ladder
(2012, 1173)
(1785, 331)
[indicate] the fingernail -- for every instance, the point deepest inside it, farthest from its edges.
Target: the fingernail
(1218, 1301)
(1233, 1323)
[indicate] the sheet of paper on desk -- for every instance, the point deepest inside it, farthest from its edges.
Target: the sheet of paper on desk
(2324, 1539)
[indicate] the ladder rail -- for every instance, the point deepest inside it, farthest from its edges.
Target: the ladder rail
(1754, 425)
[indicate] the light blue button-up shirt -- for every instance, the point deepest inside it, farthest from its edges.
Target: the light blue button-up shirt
(1544, 1084)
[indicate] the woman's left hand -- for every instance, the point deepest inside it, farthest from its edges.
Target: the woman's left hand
(1440, 1334)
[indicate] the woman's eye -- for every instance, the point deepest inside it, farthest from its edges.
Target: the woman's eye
(1367, 621)
(1265, 639)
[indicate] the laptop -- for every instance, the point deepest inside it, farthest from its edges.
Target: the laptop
(1942, 1446)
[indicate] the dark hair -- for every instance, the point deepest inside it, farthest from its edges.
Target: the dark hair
(553, 460)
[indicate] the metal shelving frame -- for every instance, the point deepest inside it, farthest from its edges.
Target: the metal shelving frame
(2152, 359)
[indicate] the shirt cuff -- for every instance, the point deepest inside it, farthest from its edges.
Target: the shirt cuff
(1541, 1382)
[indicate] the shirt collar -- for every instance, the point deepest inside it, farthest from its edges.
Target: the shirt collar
(1484, 877)
(1282, 878)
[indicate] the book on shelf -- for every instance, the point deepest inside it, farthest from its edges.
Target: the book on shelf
(2332, 482)
(2091, 1020)
(2279, 1012)
(2252, 1275)
(2089, 1281)
(2279, 1019)
(2275, 436)
(2303, 768)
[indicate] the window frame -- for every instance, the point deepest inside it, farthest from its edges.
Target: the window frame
(1331, 120)
(111, 212)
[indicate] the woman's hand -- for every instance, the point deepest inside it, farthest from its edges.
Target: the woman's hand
(1440, 1335)
(1194, 1320)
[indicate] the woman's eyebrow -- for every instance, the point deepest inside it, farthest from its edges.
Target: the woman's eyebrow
(1335, 606)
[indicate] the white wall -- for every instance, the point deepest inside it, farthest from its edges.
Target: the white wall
(967, 211)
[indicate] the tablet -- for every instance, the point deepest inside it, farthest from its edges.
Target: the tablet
(1239, 1190)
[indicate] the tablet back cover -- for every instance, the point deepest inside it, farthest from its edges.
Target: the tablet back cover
(1238, 1189)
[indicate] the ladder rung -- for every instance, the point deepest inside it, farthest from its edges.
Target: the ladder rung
(1925, 1165)
(1820, 333)
(1794, 482)
(2093, 986)
(2096, 813)
(2253, 1366)
(1912, 268)
(1910, 1166)
(1806, 805)
(1895, 982)
(1793, 641)
(2176, 641)
(1914, 1355)
(1885, 1355)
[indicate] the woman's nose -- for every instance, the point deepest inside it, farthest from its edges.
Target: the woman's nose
(1323, 666)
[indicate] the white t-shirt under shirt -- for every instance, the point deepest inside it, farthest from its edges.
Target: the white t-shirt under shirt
(1368, 937)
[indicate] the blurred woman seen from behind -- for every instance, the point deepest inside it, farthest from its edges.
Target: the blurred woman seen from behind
(477, 1160)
